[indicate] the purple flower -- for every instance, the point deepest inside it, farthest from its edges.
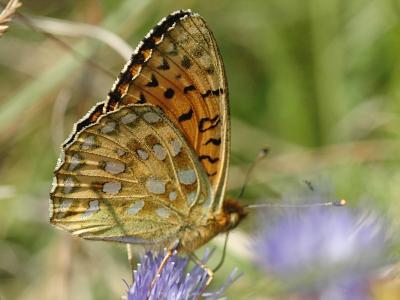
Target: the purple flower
(328, 249)
(346, 288)
(174, 282)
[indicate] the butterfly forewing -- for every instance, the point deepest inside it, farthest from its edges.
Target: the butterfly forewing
(130, 177)
(149, 165)
(179, 69)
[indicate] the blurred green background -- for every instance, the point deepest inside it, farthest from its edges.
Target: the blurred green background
(317, 81)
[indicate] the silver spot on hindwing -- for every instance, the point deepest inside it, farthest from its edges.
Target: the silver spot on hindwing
(163, 212)
(65, 205)
(89, 142)
(151, 117)
(108, 127)
(159, 152)
(187, 177)
(120, 152)
(191, 197)
(69, 185)
(93, 208)
(155, 186)
(172, 196)
(128, 118)
(135, 207)
(176, 147)
(74, 162)
(114, 167)
(112, 188)
(142, 154)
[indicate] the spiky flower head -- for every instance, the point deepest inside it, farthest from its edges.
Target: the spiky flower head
(173, 282)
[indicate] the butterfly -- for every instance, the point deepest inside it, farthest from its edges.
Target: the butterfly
(148, 166)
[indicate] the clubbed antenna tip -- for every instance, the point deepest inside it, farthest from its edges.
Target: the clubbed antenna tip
(341, 202)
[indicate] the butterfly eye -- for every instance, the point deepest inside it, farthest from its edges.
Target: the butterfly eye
(234, 219)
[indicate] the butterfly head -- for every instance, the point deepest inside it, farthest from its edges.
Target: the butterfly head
(234, 213)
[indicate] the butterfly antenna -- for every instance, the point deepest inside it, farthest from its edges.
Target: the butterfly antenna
(221, 262)
(262, 154)
(341, 202)
(130, 256)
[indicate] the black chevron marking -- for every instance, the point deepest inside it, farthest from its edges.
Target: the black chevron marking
(209, 158)
(186, 116)
(114, 95)
(209, 93)
(214, 123)
(215, 142)
(153, 82)
(137, 59)
(142, 99)
(148, 44)
(189, 88)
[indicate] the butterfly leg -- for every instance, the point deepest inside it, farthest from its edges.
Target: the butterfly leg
(210, 272)
(163, 263)
(130, 256)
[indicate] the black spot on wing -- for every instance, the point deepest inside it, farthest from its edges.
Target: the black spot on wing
(212, 160)
(186, 116)
(213, 141)
(137, 59)
(189, 88)
(210, 70)
(169, 93)
(114, 95)
(148, 44)
(142, 99)
(209, 93)
(153, 82)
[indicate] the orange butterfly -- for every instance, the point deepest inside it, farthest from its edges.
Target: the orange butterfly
(149, 165)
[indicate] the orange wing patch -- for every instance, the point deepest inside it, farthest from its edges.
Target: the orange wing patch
(178, 68)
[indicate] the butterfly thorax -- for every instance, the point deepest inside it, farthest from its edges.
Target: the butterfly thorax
(229, 217)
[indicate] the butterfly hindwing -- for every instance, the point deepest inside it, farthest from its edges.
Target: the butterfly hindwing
(129, 176)
(178, 68)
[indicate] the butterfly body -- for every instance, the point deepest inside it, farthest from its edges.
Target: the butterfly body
(193, 237)
(149, 165)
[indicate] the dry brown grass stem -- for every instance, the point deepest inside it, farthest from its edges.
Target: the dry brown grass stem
(7, 14)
